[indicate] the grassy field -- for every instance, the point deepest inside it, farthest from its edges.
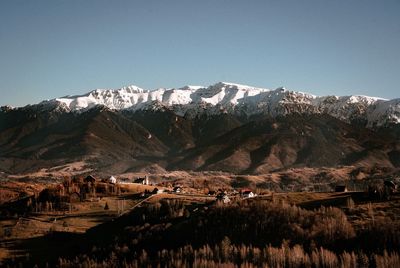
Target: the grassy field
(82, 216)
(26, 234)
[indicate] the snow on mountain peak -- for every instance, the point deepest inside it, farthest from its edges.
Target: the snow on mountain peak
(236, 98)
(132, 89)
(121, 98)
(191, 87)
(6, 108)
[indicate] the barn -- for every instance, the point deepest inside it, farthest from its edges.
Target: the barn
(340, 188)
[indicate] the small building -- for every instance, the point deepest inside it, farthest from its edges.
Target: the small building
(90, 179)
(247, 193)
(340, 188)
(112, 180)
(223, 197)
(211, 193)
(177, 189)
(160, 191)
(144, 181)
(138, 180)
(226, 199)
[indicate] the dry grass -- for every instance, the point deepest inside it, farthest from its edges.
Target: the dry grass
(86, 215)
(12, 190)
(298, 198)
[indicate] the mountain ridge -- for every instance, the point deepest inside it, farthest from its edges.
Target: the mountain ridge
(225, 97)
(224, 127)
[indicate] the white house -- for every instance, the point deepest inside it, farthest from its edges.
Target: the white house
(248, 194)
(226, 199)
(112, 180)
(177, 189)
(160, 191)
(146, 181)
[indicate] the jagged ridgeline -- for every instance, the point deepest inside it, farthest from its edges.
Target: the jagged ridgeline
(225, 126)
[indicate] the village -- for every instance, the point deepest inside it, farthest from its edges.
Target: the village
(62, 197)
(82, 202)
(79, 203)
(111, 196)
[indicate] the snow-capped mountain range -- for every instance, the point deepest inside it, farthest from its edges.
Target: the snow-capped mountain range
(225, 97)
(222, 127)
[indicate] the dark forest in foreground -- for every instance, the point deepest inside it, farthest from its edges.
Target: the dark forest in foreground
(247, 233)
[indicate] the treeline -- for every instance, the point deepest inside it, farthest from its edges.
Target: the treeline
(264, 223)
(226, 254)
(249, 233)
(259, 224)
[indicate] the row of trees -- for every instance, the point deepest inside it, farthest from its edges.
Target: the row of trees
(248, 233)
(226, 254)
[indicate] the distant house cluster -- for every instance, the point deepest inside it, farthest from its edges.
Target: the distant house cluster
(143, 180)
(76, 189)
(225, 196)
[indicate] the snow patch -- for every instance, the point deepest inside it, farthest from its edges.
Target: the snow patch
(225, 97)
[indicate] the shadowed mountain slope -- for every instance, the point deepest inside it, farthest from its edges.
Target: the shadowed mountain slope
(293, 141)
(119, 141)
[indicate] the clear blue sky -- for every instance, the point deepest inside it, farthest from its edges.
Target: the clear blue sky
(55, 48)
